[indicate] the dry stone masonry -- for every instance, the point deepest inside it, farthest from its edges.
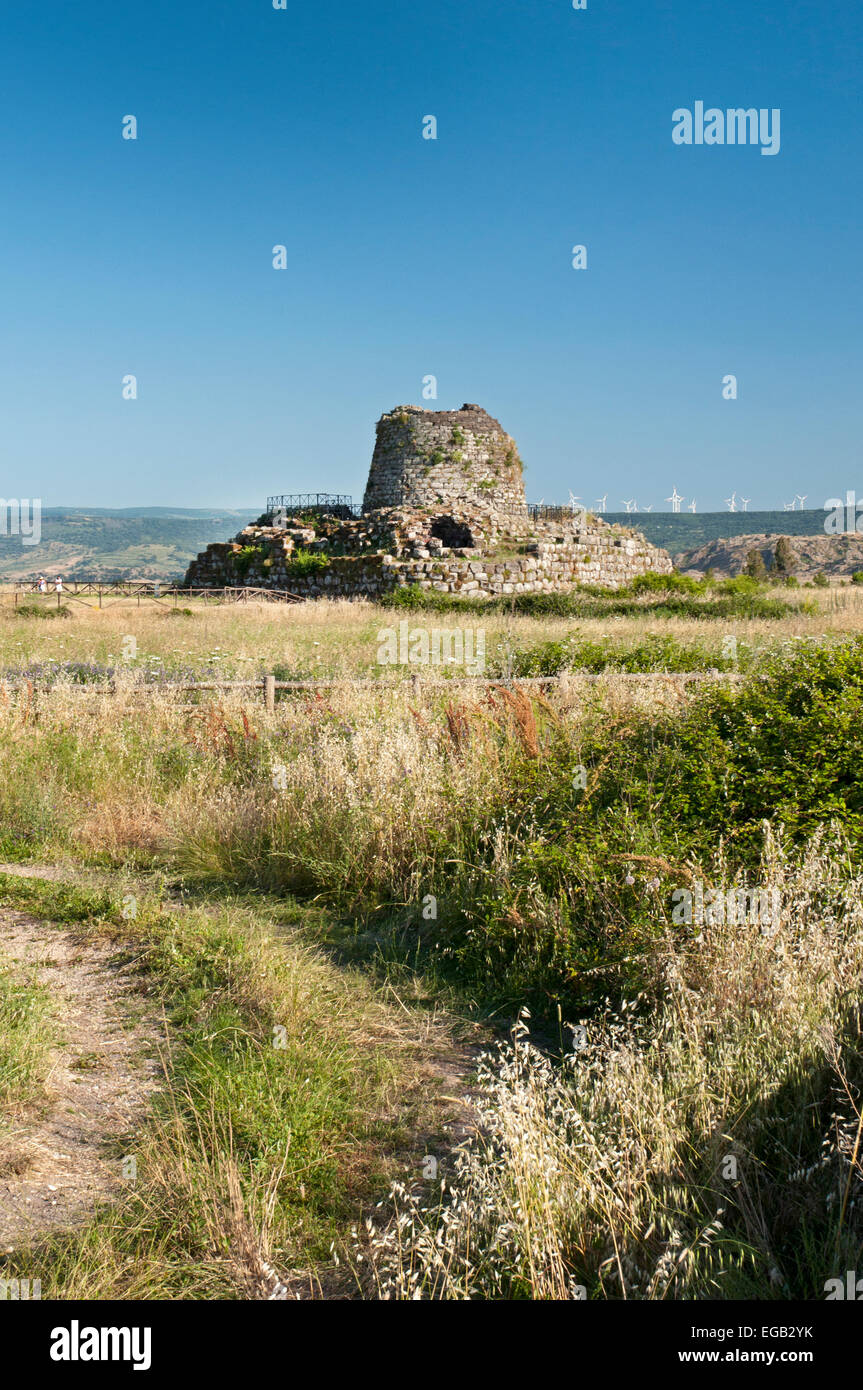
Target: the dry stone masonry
(444, 509)
(438, 459)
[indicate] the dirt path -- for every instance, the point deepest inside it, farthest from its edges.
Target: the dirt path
(55, 1166)
(105, 1069)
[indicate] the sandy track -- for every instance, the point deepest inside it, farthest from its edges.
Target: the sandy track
(56, 1165)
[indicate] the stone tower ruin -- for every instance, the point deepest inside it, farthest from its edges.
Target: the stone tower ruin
(444, 510)
(444, 460)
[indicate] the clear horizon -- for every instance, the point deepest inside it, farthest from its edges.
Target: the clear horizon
(408, 257)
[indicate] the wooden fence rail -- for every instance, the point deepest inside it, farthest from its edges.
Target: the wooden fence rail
(82, 590)
(268, 685)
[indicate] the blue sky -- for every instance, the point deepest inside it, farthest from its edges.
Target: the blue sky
(409, 257)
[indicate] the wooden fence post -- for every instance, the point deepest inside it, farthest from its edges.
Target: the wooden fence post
(270, 693)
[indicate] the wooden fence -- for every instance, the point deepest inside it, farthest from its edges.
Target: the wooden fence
(91, 592)
(268, 685)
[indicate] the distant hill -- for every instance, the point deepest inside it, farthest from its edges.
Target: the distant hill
(160, 542)
(676, 531)
(132, 543)
(837, 557)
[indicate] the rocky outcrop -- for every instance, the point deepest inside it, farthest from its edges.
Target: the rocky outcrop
(835, 556)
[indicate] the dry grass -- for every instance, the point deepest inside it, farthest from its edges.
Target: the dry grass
(602, 1175)
(338, 638)
(609, 1178)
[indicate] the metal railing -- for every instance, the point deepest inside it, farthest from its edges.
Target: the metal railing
(339, 504)
(323, 503)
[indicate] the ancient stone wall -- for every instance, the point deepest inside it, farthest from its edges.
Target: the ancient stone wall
(596, 554)
(445, 509)
(439, 459)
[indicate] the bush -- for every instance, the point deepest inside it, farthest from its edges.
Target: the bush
(560, 918)
(755, 567)
(242, 559)
(783, 557)
(39, 610)
(677, 596)
(654, 652)
(306, 562)
(675, 582)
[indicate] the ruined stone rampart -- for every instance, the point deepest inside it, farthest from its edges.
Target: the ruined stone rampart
(597, 554)
(444, 509)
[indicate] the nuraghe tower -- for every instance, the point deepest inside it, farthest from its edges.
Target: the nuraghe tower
(444, 509)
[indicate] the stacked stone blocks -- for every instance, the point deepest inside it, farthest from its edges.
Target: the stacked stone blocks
(444, 509)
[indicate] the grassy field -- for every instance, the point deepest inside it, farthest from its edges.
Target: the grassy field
(339, 639)
(335, 905)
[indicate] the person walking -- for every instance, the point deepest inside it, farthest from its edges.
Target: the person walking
(43, 584)
(58, 585)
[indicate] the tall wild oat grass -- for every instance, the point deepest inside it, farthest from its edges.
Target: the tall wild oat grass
(609, 1177)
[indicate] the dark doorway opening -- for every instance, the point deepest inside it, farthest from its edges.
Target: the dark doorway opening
(453, 533)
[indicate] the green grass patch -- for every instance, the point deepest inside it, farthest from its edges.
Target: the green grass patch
(649, 595)
(40, 610)
(259, 1148)
(25, 1036)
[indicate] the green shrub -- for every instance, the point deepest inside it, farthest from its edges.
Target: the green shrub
(561, 921)
(783, 557)
(39, 610)
(739, 598)
(755, 567)
(655, 652)
(306, 562)
(242, 559)
(652, 583)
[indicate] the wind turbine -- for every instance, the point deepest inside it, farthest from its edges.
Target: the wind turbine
(600, 502)
(650, 508)
(691, 507)
(575, 504)
(744, 502)
(630, 505)
(801, 500)
(790, 506)
(731, 502)
(675, 499)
